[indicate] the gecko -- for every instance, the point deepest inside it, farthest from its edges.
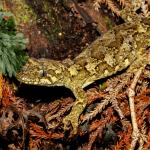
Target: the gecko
(116, 50)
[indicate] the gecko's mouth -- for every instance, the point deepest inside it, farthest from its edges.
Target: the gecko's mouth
(39, 82)
(29, 81)
(26, 80)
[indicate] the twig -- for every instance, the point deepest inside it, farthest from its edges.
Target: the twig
(131, 94)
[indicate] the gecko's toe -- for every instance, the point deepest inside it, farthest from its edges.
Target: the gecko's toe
(73, 121)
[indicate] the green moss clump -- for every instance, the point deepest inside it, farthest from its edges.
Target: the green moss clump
(7, 23)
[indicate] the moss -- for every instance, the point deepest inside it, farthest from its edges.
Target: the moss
(22, 12)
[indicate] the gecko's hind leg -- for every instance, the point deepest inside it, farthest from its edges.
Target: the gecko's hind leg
(77, 109)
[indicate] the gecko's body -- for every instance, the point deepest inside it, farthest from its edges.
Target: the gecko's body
(107, 55)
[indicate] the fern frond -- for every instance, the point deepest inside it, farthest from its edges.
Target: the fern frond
(12, 55)
(97, 110)
(109, 3)
(12, 44)
(125, 3)
(112, 7)
(117, 108)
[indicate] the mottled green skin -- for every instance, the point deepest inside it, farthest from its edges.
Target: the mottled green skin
(115, 51)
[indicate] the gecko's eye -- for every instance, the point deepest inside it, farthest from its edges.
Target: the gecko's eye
(148, 48)
(42, 73)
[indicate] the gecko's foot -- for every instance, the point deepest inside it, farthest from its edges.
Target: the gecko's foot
(74, 115)
(73, 119)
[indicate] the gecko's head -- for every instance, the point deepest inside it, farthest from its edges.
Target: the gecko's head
(40, 72)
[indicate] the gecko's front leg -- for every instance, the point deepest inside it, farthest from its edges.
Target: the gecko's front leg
(77, 109)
